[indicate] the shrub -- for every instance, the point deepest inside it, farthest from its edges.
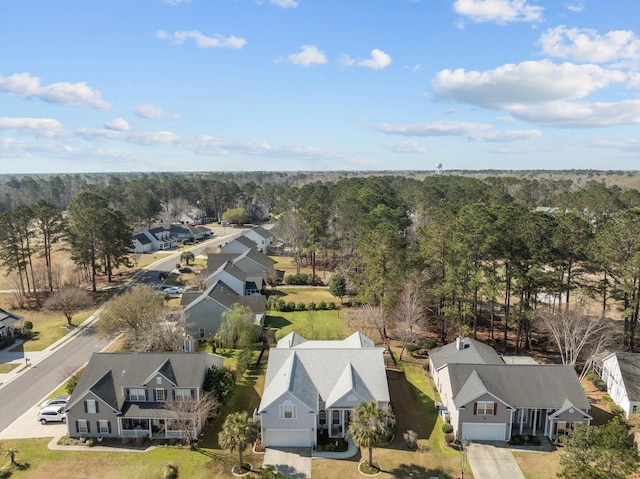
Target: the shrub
(600, 385)
(72, 382)
(169, 471)
(412, 348)
(299, 279)
(89, 443)
(562, 439)
(447, 428)
(331, 305)
(281, 305)
(616, 410)
(449, 438)
(301, 307)
(311, 306)
(429, 344)
(5, 472)
(322, 305)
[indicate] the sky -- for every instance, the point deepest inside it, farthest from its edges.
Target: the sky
(318, 85)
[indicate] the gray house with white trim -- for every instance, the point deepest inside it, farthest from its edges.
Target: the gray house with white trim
(621, 373)
(488, 399)
(312, 387)
(124, 394)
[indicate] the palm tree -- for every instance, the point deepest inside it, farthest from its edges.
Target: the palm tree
(238, 432)
(370, 425)
(187, 256)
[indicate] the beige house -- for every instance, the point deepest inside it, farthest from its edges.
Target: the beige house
(486, 398)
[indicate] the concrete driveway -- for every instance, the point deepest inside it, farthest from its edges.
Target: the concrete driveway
(293, 462)
(28, 426)
(492, 462)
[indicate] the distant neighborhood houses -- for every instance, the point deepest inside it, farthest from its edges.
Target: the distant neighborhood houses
(166, 237)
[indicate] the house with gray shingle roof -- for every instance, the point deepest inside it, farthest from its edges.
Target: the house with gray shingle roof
(485, 398)
(238, 245)
(153, 239)
(621, 373)
(7, 323)
(311, 387)
(122, 395)
(261, 237)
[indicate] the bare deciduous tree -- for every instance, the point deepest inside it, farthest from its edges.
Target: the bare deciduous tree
(69, 301)
(190, 416)
(409, 312)
(575, 333)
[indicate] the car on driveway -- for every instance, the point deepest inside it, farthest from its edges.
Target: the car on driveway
(52, 414)
(173, 291)
(56, 401)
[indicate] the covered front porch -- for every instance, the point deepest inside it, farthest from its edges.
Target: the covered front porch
(156, 428)
(546, 422)
(333, 424)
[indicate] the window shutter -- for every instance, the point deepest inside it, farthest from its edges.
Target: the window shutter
(88, 427)
(86, 408)
(475, 408)
(77, 427)
(495, 408)
(97, 407)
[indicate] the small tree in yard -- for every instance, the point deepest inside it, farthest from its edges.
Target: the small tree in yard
(69, 301)
(338, 286)
(191, 415)
(237, 329)
(370, 425)
(239, 431)
(220, 382)
(187, 256)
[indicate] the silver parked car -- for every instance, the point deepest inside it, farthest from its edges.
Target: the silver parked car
(52, 414)
(56, 401)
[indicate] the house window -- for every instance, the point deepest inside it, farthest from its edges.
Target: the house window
(104, 427)
(160, 395)
(91, 406)
(137, 394)
(182, 394)
(201, 333)
(159, 380)
(82, 425)
(335, 417)
(562, 427)
(322, 418)
(484, 408)
(288, 411)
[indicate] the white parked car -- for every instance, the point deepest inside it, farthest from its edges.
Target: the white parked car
(56, 401)
(173, 290)
(52, 414)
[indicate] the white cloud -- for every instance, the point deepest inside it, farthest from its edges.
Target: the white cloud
(586, 45)
(378, 60)
(576, 6)
(308, 55)
(527, 83)
(285, 3)
(140, 138)
(498, 11)
(470, 131)
(26, 86)
(216, 41)
(147, 110)
(43, 127)
(405, 146)
(581, 115)
(118, 125)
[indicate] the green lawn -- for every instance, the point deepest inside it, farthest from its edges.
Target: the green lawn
(304, 295)
(6, 368)
(48, 328)
(310, 324)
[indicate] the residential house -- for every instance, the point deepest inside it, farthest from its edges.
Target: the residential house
(621, 373)
(202, 312)
(256, 265)
(485, 398)
(238, 245)
(123, 395)
(154, 239)
(190, 233)
(194, 216)
(8, 323)
(311, 388)
(261, 237)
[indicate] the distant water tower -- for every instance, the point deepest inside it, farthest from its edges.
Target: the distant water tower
(439, 169)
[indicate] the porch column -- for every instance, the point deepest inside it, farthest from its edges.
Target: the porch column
(546, 423)
(535, 420)
(521, 419)
(511, 411)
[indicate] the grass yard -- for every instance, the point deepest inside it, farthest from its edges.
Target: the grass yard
(304, 295)
(538, 465)
(6, 368)
(48, 328)
(310, 324)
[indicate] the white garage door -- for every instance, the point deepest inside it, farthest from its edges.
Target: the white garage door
(484, 432)
(289, 438)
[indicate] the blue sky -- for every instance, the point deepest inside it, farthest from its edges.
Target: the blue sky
(243, 85)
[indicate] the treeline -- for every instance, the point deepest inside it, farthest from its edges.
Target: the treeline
(467, 245)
